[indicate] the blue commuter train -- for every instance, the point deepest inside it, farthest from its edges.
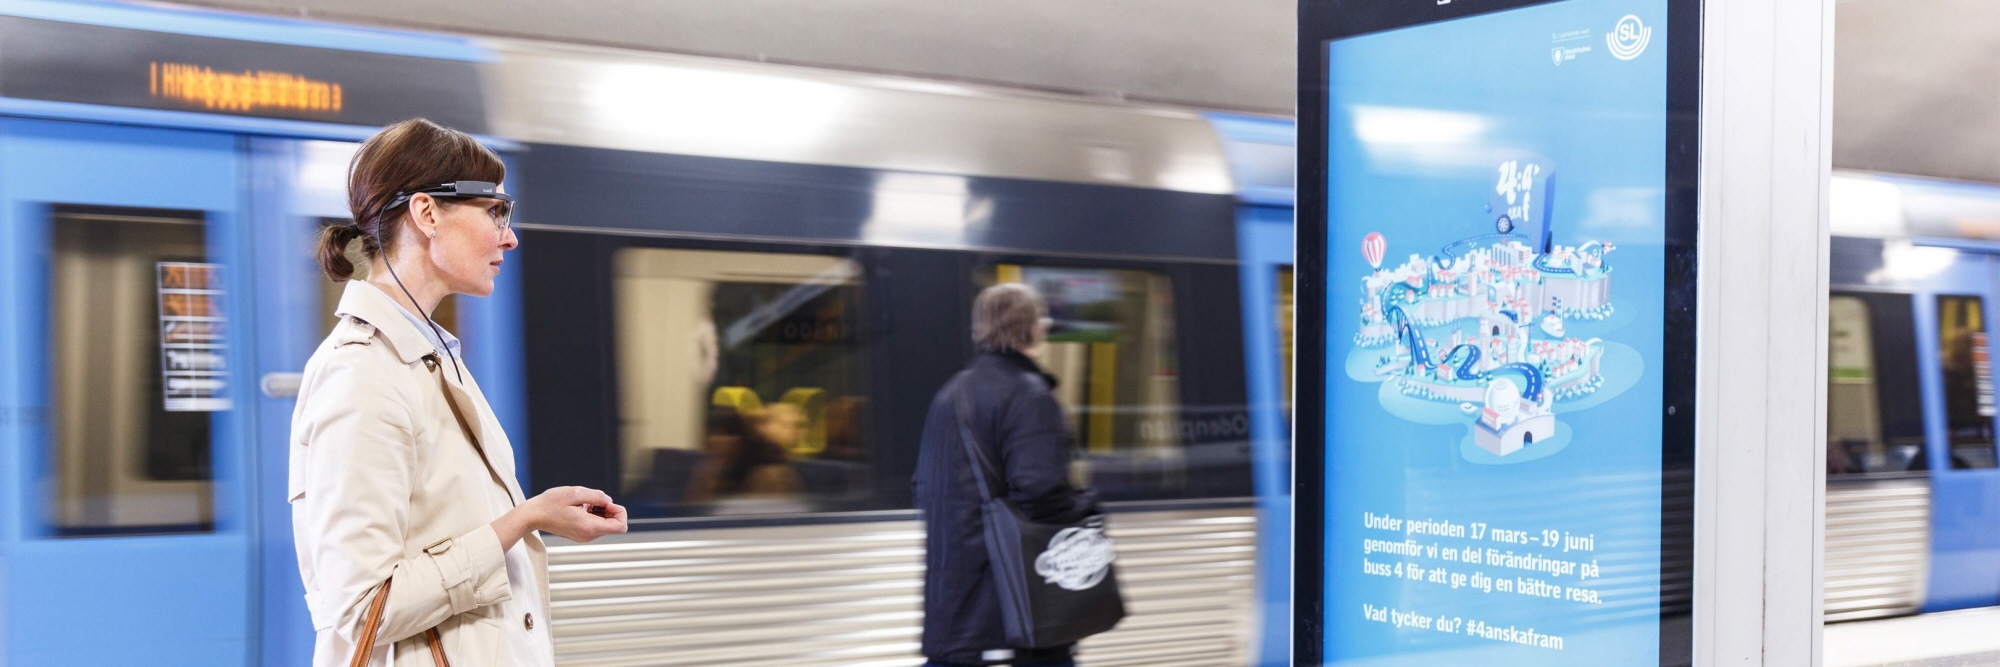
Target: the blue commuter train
(714, 253)
(1913, 485)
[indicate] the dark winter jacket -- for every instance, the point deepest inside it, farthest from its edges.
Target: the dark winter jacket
(1018, 421)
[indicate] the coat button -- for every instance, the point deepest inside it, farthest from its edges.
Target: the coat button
(528, 620)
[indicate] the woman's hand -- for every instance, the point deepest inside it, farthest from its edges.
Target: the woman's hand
(564, 511)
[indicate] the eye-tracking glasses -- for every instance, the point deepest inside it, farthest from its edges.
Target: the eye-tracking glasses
(502, 214)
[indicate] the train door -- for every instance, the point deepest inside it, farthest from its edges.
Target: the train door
(1264, 241)
(1262, 156)
(1957, 321)
(296, 187)
(124, 517)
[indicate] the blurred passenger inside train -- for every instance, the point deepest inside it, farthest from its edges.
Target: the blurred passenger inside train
(844, 441)
(746, 454)
(412, 534)
(1012, 413)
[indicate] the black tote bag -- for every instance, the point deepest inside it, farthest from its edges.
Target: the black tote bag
(1056, 582)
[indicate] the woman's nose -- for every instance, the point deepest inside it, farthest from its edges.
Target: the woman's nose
(508, 241)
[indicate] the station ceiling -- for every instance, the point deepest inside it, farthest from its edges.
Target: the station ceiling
(1914, 80)
(1916, 86)
(1234, 54)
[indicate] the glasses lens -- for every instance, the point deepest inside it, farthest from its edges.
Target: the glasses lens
(503, 215)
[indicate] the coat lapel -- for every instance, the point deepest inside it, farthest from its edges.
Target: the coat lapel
(474, 420)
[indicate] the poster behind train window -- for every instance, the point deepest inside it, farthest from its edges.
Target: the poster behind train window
(193, 337)
(1496, 282)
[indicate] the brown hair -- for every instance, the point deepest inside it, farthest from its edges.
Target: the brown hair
(1004, 317)
(406, 156)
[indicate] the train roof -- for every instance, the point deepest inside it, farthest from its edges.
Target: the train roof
(1877, 205)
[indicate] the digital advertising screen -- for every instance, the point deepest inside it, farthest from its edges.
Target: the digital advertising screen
(1501, 231)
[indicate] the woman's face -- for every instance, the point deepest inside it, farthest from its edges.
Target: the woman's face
(469, 244)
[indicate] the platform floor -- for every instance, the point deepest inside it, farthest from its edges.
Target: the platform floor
(1968, 638)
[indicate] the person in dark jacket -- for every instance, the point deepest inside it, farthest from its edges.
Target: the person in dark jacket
(1016, 418)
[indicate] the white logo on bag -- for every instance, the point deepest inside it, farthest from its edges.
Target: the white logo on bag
(1628, 39)
(1077, 558)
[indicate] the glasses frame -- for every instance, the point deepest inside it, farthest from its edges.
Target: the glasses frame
(461, 190)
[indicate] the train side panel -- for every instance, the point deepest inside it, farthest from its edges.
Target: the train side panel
(1955, 492)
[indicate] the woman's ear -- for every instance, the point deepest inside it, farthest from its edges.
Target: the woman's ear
(424, 214)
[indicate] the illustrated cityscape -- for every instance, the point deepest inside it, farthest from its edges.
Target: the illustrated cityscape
(1483, 322)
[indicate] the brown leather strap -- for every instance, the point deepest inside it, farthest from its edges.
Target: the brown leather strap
(365, 644)
(437, 648)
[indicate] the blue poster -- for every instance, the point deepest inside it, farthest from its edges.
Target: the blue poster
(1496, 280)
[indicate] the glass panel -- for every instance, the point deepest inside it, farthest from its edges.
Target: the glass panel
(1112, 349)
(1285, 335)
(1874, 420)
(446, 315)
(138, 357)
(740, 381)
(1968, 380)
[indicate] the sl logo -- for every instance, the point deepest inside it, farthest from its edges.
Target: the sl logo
(1628, 39)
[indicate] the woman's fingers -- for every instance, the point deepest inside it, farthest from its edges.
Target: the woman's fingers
(589, 514)
(582, 495)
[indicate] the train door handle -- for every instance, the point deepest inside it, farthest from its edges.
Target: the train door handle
(281, 385)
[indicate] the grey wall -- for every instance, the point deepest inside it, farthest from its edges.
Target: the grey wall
(1917, 87)
(1229, 54)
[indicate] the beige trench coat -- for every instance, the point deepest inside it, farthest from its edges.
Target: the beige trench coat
(385, 483)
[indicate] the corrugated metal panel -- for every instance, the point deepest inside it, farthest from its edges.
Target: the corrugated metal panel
(1877, 546)
(851, 594)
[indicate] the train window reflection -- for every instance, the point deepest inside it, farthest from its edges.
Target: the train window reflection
(1285, 336)
(1874, 420)
(1968, 380)
(739, 381)
(138, 357)
(1112, 349)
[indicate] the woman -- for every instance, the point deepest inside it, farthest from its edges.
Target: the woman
(1015, 417)
(402, 481)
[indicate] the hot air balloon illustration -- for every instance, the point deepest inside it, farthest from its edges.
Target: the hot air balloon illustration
(1372, 247)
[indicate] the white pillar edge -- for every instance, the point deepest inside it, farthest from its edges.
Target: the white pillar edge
(1761, 352)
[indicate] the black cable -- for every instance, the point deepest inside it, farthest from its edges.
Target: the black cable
(413, 302)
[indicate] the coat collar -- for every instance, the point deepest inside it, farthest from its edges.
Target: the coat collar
(1014, 360)
(368, 303)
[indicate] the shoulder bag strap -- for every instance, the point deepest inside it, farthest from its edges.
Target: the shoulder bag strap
(365, 644)
(983, 468)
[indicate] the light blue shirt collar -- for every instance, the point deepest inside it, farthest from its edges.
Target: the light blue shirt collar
(448, 344)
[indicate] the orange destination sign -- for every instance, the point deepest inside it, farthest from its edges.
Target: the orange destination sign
(245, 92)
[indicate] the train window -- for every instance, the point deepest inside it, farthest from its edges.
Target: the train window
(1874, 419)
(1968, 380)
(138, 358)
(1285, 335)
(446, 314)
(1112, 349)
(740, 381)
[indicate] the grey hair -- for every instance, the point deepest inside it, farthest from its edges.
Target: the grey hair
(1005, 317)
